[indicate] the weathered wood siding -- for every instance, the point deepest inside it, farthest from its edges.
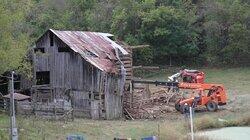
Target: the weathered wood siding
(113, 100)
(95, 93)
(67, 69)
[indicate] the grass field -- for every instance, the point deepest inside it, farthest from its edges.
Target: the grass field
(36, 129)
(237, 112)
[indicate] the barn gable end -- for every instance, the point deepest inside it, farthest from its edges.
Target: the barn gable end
(82, 68)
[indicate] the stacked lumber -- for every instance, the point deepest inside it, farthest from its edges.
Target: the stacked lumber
(127, 61)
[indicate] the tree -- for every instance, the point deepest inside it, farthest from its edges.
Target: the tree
(127, 19)
(216, 31)
(101, 15)
(227, 32)
(168, 30)
(79, 17)
(46, 14)
(13, 37)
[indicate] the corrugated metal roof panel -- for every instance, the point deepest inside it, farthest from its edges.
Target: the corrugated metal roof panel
(94, 47)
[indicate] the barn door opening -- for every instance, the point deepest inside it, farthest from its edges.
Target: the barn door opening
(42, 77)
(51, 39)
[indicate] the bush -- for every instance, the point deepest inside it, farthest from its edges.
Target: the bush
(143, 56)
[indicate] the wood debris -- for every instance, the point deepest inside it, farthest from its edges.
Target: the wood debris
(142, 104)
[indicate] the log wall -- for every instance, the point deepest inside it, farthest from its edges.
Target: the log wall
(128, 63)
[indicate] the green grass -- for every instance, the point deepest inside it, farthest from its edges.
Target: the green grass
(236, 81)
(37, 129)
(233, 79)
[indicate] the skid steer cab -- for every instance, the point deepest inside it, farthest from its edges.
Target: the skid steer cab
(202, 94)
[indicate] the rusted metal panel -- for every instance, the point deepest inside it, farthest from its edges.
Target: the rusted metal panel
(94, 47)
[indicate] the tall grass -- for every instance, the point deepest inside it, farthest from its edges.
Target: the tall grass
(208, 122)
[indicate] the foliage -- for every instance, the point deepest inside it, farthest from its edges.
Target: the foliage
(143, 56)
(13, 42)
(189, 32)
(127, 18)
(167, 29)
(101, 16)
(228, 32)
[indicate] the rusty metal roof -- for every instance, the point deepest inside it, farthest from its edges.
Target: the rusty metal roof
(96, 48)
(17, 96)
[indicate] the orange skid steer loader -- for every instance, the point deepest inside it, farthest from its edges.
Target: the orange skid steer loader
(209, 95)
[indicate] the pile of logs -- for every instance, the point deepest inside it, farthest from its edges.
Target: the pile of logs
(142, 104)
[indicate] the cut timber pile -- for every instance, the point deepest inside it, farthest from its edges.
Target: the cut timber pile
(142, 104)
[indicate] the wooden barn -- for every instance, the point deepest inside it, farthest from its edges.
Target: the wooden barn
(86, 69)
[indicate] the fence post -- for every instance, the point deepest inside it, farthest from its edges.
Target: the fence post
(191, 122)
(13, 133)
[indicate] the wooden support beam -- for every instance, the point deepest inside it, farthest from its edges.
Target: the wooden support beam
(92, 83)
(131, 91)
(129, 114)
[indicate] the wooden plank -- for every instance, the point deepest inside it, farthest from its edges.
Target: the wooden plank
(95, 109)
(126, 59)
(130, 116)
